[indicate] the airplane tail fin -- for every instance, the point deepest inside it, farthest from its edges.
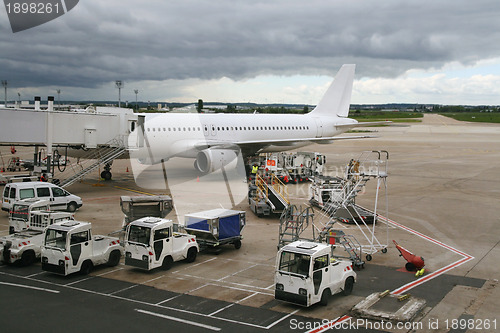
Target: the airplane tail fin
(337, 99)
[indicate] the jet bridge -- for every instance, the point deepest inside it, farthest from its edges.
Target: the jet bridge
(115, 129)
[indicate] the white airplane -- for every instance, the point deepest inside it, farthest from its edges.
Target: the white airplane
(214, 140)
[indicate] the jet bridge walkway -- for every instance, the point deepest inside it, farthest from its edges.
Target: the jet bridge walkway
(104, 134)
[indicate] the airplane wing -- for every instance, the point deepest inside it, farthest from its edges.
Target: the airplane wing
(365, 124)
(256, 145)
(287, 142)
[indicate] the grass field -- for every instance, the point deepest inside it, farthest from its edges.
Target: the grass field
(396, 117)
(484, 117)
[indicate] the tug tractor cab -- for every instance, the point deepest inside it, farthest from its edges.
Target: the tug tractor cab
(22, 211)
(153, 242)
(70, 247)
(306, 273)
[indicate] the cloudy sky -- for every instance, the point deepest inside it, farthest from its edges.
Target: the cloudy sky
(271, 51)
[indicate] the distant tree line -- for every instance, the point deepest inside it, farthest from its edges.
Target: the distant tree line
(461, 108)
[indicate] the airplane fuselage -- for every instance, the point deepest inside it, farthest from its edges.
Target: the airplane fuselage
(182, 135)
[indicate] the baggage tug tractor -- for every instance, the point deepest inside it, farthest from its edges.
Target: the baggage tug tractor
(25, 246)
(153, 242)
(307, 274)
(69, 247)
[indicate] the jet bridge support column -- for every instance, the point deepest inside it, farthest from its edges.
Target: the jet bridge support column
(50, 130)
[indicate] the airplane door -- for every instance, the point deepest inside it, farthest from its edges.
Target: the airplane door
(206, 130)
(213, 130)
(319, 128)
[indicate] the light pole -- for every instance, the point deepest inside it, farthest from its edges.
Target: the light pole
(119, 85)
(4, 84)
(59, 97)
(19, 97)
(136, 91)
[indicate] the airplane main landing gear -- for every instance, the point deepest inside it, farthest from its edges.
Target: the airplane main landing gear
(106, 174)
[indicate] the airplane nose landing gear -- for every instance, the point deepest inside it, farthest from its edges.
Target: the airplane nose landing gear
(106, 174)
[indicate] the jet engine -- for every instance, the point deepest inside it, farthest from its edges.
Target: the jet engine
(210, 160)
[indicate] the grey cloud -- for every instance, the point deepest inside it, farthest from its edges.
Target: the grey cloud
(101, 41)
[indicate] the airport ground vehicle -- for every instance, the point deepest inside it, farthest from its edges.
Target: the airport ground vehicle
(25, 246)
(334, 196)
(153, 242)
(307, 274)
(59, 198)
(69, 247)
(16, 178)
(140, 206)
(21, 212)
(216, 227)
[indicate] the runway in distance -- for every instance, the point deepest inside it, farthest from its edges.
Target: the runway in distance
(214, 140)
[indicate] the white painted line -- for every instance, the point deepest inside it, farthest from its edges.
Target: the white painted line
(224, 308)
(156, 278)
(30, 287)
(136, 301)
(244, 299)
(174, 297)
(271, 286)
(465, 257)
(281, 319)
(114, 270)
(430, 276)
(74, 282)
(408, 286)
(191, 266)
(249, 262)
(213, 328)
(35, 274)
(129, 287)
(244, 269)
(168, 299)
(197, 288)
(214, 282)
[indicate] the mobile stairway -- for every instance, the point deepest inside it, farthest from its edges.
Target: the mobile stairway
(103, 157)
(370, 165)
(295, 221)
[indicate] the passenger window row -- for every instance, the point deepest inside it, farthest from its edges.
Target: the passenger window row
(227, 128)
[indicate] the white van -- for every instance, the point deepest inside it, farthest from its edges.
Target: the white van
(59, 199)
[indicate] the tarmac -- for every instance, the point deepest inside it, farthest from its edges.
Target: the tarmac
(442, 197)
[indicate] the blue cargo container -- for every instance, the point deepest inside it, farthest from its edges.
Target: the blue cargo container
(216, 227)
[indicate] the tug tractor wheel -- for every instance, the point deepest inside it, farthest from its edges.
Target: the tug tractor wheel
(86, 267)
(324, 297)
(191, 255)
(368, 257)
(349, 284)
(237, 244)
(167, 263)
(114, 258)
(106, 175)
(27, 258)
